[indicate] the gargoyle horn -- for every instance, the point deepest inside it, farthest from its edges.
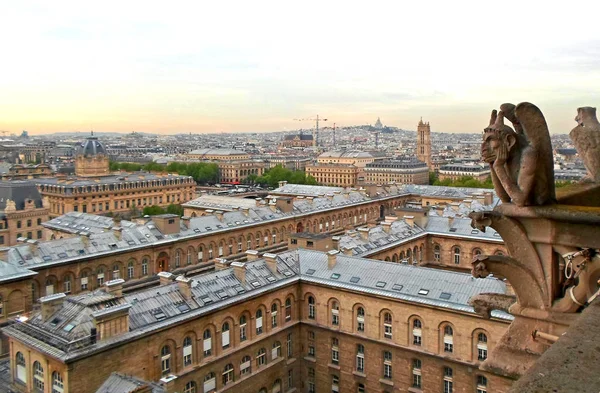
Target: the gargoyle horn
(493, 117)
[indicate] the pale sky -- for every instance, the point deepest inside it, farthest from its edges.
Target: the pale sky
(228, 66)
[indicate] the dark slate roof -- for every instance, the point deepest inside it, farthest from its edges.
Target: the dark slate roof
(119, 383)
(91, 147)
(302, 137)
(19, 191)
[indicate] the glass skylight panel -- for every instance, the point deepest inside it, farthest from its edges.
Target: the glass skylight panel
(255, 284)
(310, 272)
(381, 284)
(69, 327)
(397, 287)
(423, 292)
(271, 279)
(159, 315)
(222, 295)
(354, 280)
(183, 308)
(445, 295)
(335, 276)
(287, 273)
(239, 289)
(474, 231)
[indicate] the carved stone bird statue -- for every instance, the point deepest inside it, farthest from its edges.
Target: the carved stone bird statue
(586, 137)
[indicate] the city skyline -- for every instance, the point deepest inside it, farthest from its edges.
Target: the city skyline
(222, 68)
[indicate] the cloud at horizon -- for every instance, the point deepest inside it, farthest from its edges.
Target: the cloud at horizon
(238, 66)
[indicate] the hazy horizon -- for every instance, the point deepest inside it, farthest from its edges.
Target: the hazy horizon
(248, 67)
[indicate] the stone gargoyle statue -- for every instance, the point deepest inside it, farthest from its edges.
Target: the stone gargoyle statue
(521, 159)
(586, 137)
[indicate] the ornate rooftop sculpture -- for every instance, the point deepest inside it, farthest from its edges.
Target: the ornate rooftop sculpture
(586, 137)
(521, 159)
(553, 241)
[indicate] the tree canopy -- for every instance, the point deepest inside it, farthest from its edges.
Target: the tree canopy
(273, 176)
(464, 181)
(156, 210)
(202, 172)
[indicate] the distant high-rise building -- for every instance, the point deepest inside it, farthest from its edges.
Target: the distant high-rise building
(424, 143)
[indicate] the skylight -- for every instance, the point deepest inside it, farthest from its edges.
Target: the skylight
(355, 280)
(271, 279)
(255, 284)
(397, 287)
(310, 272)
(159, 315)
(423, 292)
(69, 327)
(381, 284)
(335, 276)
(445, 295)
(183, 308)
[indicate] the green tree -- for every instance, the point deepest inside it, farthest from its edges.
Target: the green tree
(465, 181)
(433, 177)
(153, 210)
(175, 209)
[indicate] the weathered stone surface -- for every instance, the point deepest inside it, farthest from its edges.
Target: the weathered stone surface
(521, 162)
(586, 137)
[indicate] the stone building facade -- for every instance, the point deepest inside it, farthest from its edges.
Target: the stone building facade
(218, 155)
(341, 175)
(297, 141)
(399, 171)
(297, 321)
(22, 212)
(456, 171)
(236, 172)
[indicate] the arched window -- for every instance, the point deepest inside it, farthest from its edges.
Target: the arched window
(448, 339)
(210, 383)
(165, 360)
(225, 335)
(274, 315)
(481, 384)
(259, 322)
(276, 350)
(482, 348)
(21, 368)
(228, 374)
(436, 253)
(261, 357)
(288, 309)
(190, 387)
(360, 358)
(189, 257)
(387, 325)
(116, 272)
(200, 254)
(130, 270)
(335, 313)
(276, 386)
(145, 267)
(187, 351)
(207, 343)
(456, 255)
(360, 319)
(100, 276)
(38, 377)
(58, 385)
(312, 312)
(476, 252)
(416, 373)
(245, 365)
(243, 330)
(83, 278)
(416, 332)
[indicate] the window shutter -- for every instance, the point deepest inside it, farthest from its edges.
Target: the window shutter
(258, 323)
(225, 338)
(207, 344)
(209, 385)
(187, 350)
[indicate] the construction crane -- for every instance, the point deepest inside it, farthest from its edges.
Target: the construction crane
(316, 136)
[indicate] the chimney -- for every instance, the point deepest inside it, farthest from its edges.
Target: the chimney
(488, 198)
(111, 321)
(245, 211)
(282, 183)
(273, 205)
(467, 203)
(221, 264)
(114, 287)
(364, 233)
(219, 215)
(239, 271)
(391, 218)
(167, 224)
(336, 241)
(271, 260)
(410, 220)
(51, 304)
(4, 253)
(185, 287)
(33, 245)
(186, 221)
(450, 222)
(285, 204)
(371, 223)
(251, 255)
(165, 278)
(347, 251)
(258, 202)
(329, 196)
(387, 226)
(332, 258)
(117, 231)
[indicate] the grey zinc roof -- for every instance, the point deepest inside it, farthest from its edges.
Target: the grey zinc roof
(65, 334)
(10, 272)
(19, 191)
(399, 232)
(220, 202)
(119, 383)
(302, 189)
(221, 152)
(70, 183)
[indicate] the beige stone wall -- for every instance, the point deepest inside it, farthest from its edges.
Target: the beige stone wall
(25, 223)
(15, 299)
(334, 175)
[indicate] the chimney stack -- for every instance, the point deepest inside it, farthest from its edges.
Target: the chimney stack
(364, 233)
(221, 264)
(282, 183)
(245, 211)
(410, 220)
(488, 198)
(271, 260)
(391, 218)
(386, 226)
(251, 255)
(332, 258)
(115, 287)
(273, 205)
(285, 204)
(165, 278)
(186, 221)
(185, 287)
(239, 270)
(51, 304)
(219, 215)
(347, 251)
(117, 232)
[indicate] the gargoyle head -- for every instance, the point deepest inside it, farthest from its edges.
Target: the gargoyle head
(495, 135)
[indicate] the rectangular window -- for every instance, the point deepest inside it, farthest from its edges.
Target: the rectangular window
(84, 283)
(187, 355)
(207, 347)
(290, 347)
(360, 362)
(311, 351)
(243, 336)
(259, 326)
(290, 379)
